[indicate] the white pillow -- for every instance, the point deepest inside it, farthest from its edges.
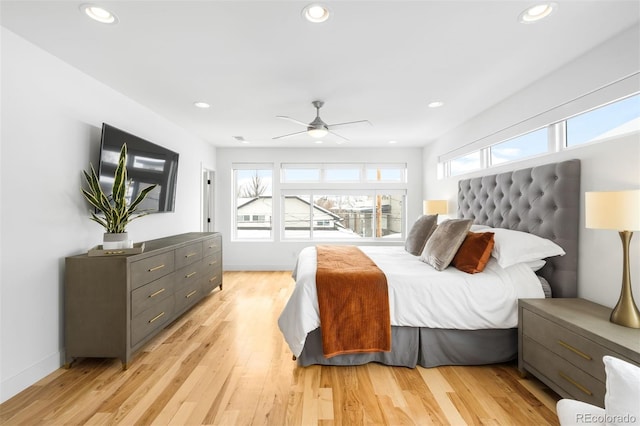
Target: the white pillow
(623, 391)
(511, 247)
(536, 265)
(479, 228)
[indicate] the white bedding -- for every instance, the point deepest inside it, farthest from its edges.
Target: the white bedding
(419, 296)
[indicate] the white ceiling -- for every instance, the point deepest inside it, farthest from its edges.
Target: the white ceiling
(383, 61)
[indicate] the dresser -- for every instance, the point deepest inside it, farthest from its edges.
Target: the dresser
(115, 304)
(562, 342)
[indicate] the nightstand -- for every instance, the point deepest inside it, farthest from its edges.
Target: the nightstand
(562, 342)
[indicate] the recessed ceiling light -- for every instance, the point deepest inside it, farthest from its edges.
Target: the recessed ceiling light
(537, 12)
(201, 104)
(99, 14)
(241, 139)
(318, 142)
(316, 13)
(393, 142)
(435, 104)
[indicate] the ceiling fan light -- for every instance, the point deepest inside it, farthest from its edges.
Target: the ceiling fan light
(317, 132)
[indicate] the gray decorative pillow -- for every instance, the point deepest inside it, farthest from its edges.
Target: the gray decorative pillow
(420, 233)
(445, 242)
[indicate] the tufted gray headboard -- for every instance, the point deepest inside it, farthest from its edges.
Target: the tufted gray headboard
(542, 200)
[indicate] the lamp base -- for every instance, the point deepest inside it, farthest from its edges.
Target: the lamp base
(625, 312)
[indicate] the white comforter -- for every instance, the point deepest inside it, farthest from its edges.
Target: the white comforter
(419, 296)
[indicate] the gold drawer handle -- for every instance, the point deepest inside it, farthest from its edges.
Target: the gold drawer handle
(213, 246)
(574, 350)
(190, 275)
(213, 279)
(155, 268)
(213, 263)
(156, 293)
(160, 315)
(191, 294)
(190, 255)
(574, 383)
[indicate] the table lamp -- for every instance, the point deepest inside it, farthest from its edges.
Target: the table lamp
(435, 207)
(618, 210)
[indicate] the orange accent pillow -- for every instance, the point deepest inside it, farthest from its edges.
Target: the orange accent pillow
(474, 253)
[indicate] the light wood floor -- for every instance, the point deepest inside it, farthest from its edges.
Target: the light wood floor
(226, 363)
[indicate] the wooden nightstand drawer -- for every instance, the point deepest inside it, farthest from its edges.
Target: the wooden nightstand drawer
(562, 342)
(574, 381)
(576, 349)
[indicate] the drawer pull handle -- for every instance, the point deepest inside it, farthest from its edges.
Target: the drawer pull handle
(574, 383)
(190, 275)
(190, 255)
(157, 317)
(156, 293)
(213, 263)
(574, 350)
(213, 279)
(213, 246)
(155, 268)
(191, 294)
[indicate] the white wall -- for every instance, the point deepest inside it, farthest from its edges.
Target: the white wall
(51, 119)
(610, 165)
(281, 255)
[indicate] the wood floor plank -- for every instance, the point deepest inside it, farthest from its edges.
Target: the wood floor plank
(225, 363)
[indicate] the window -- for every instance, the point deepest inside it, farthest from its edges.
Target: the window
(606, 122)
(524, 146)
(253, 201)
(343, 216)
(343, 201)
(615, 119)
(465, 164)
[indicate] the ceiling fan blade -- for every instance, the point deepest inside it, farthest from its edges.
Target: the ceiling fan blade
(335, 134)
(349, 122)
(292, 119)
(290, 134)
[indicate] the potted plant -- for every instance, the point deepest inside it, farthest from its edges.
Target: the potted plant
(117, 214)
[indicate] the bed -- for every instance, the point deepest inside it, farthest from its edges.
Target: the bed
(433, 328)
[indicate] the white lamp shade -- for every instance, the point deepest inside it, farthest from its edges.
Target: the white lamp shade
(435, 207)
(618, 210)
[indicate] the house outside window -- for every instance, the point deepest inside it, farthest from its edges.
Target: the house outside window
(253, 201)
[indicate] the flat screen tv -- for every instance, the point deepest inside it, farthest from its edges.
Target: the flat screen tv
(147, 163)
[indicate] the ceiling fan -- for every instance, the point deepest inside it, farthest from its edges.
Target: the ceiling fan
(318, 128)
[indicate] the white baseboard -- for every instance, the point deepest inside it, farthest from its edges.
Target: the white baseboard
(12, 386)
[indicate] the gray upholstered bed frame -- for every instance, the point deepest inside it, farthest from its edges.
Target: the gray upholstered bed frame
(542, 200)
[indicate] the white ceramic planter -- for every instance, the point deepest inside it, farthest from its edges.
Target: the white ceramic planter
(111, 241)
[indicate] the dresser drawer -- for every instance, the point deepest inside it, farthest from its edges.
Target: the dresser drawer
(211, 246)
(188, 275)
(149, 294)
(188, 254)
(212, 272)
(578, 350)
(150, 269)
(151, 319)
(188, 294)
(575, 382)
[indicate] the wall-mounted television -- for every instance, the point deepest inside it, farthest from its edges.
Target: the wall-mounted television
(147, 164)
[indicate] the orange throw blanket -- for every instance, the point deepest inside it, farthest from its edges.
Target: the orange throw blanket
(353, 301)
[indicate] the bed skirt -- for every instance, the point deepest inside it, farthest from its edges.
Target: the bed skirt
(427, 347)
